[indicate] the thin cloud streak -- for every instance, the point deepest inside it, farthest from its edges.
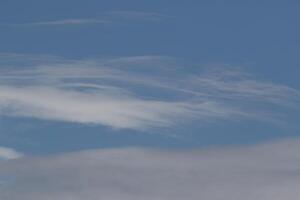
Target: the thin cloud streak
(68, 22)
(60, 22)
(105, 18)
(149, 16)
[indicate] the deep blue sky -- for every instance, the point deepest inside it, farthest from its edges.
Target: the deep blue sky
(259, 36)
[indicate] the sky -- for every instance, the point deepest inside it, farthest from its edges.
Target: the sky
(149, 100)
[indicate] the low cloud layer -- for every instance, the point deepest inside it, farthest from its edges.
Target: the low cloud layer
(135, 92)
(263, 172)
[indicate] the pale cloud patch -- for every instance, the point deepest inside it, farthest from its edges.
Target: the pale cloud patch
(9, 153)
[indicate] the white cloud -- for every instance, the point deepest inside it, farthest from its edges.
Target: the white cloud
(59, 22)
(9, 153)
(68, 22)
(101, 107)
(135, 92)
(263, 172)
(138, 15)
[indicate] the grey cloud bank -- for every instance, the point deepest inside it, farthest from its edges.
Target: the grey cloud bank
(263, 172)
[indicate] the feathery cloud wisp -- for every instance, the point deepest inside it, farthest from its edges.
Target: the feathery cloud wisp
(105, 18)
(135, 92)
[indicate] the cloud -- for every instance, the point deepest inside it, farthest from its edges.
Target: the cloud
(263, 172)
(9, 153)
(67, 22)
(137, 15)
(59, 22)
(105, 18)
(101, 107)
(139, 92)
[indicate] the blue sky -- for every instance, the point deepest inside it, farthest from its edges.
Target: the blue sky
(257, 38)
(146, 76)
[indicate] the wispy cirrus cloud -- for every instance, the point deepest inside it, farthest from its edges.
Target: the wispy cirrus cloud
(106, 106)
(137, 15)
(135, 92)
(262, 172)
(65, 22)
(111, 17)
